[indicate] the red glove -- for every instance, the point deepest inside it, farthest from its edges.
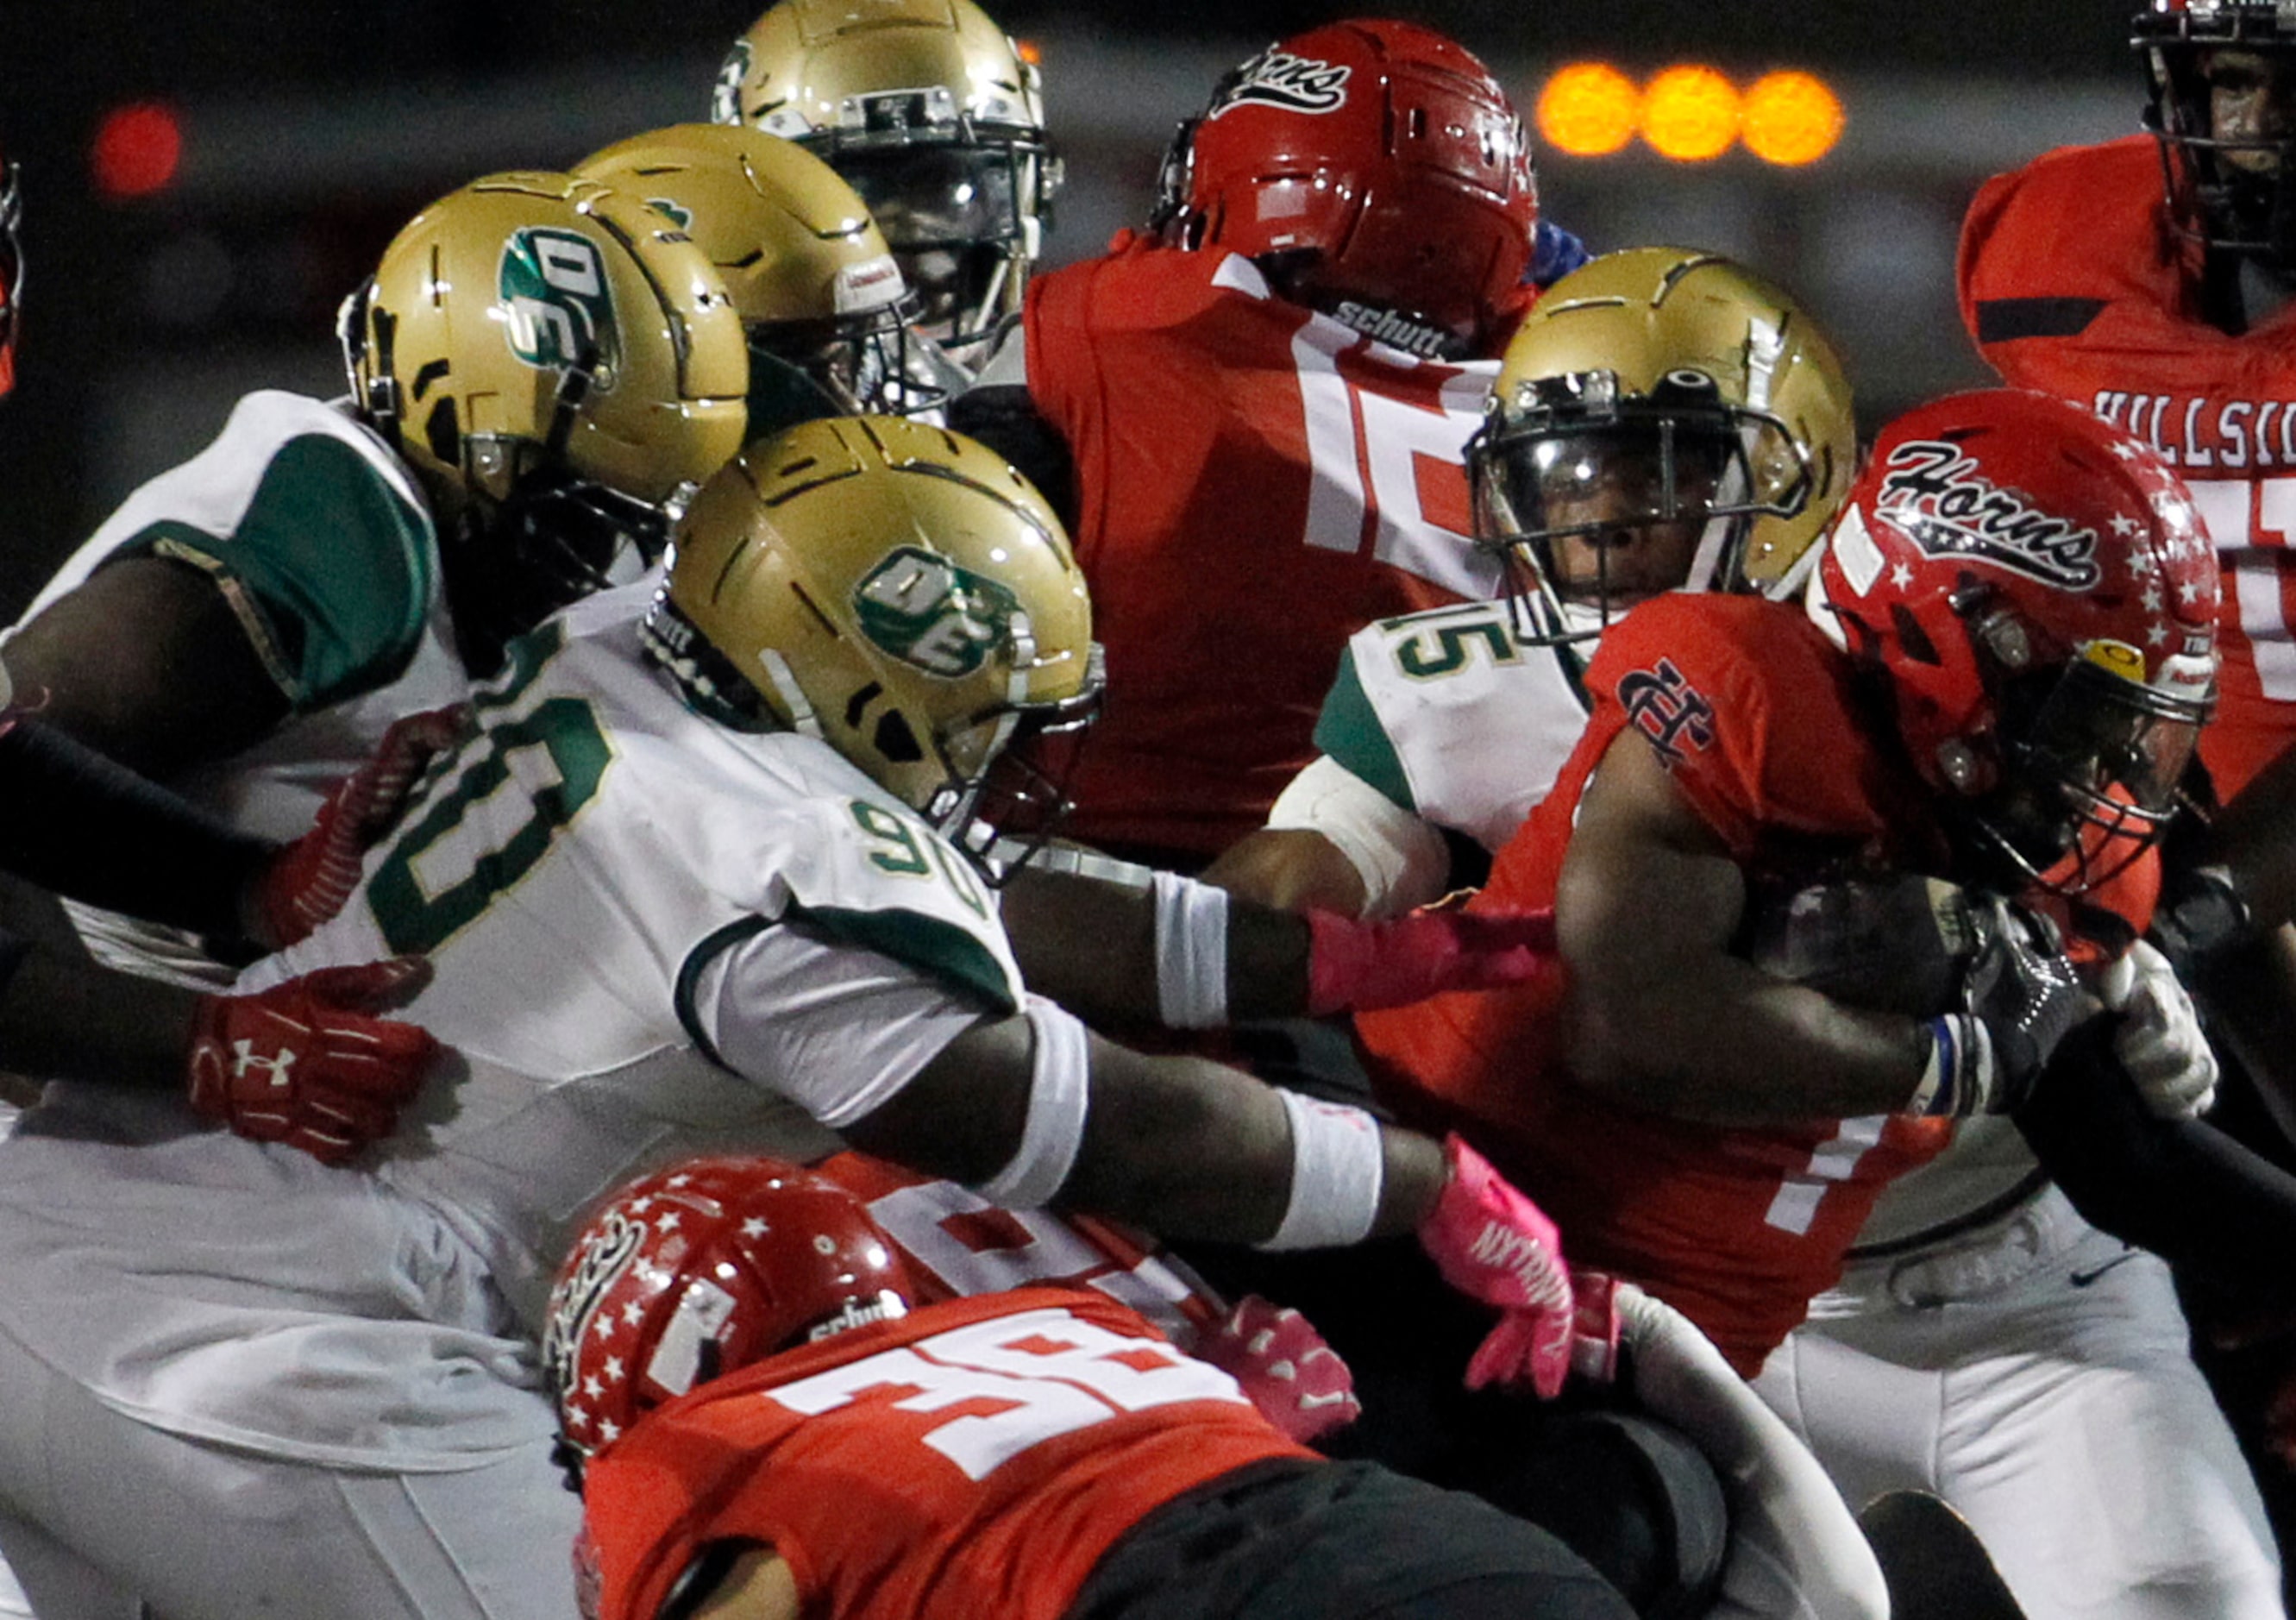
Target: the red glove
(308, 881)
(307, 1062)
(1494, 1244)
(1297, 1381)
(1362, 966)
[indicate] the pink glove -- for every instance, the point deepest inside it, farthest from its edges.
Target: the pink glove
(307, 1063)
(1363, 966)
(1297, 1381)
(1492, 1242)
(308, 881)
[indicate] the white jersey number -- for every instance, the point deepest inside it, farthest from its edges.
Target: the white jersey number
(1367, 449)
(1058, 1374)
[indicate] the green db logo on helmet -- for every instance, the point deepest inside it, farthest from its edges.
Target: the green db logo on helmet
(926, 611)
(553, 285)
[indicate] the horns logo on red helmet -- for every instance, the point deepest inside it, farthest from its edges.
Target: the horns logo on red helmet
(1375, 164)
(1302, 84)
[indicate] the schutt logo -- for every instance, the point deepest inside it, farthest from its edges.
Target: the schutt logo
(1933, 492)
(1277, 78)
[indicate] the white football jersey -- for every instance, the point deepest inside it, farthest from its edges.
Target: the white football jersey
(1455, 717)
(653, 936)
(323, 547)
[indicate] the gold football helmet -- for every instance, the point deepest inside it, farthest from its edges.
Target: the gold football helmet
(556, 361)
(894, 589)
(1664, 418)
(824, 306)
(933, 116)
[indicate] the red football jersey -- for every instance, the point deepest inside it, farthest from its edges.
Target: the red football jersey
(975, 1458)
(1736, 1228)
(1256, 482)
(962, 1245)
(2072, 284)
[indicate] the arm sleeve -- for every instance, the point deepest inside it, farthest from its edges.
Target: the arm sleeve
(74, 822)
(2182, 1188)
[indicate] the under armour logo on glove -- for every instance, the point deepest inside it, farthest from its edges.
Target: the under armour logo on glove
(307, 1063)
(246, 1059)
(1297, 1382)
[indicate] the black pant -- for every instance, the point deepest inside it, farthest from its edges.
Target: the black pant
(1339, 1541)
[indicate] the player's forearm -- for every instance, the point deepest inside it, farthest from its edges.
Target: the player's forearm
(1193, 1149)
(1723, 1042)
(61, 1019)
(76, 823)
(1118, 956)
(1291, 869)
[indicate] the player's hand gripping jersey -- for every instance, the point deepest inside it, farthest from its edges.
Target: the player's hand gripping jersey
(642, 926)
(1750, 705)
(974, 1457)
(1255, 483)
(2072, 284)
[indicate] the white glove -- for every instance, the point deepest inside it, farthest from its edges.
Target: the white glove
(1795, 1551)
(2160, 1040)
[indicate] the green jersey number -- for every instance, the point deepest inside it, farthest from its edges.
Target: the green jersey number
(451, 863)
(1441, 650)
(903, 853)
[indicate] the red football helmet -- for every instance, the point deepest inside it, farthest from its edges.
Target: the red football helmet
(699, 1270)
(2042, 596)
(12, 272)
(1380, 172)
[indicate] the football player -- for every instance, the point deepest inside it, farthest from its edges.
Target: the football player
(745, 802)
(2025, 596)
(733, 1343)
(538, 364)
(828, 316)
(1258, 410)
(1664, 419)
(937, 118)
(72, 821)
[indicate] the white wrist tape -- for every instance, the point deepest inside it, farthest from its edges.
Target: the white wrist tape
(1191, 952)
(1338, 1163)
(1060, 1093)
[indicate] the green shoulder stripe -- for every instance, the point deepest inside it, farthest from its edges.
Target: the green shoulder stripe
(330, 568)
(923, 943)
(689, 975)
(1350, 731)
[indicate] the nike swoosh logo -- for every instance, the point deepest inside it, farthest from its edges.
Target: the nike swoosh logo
(2081, 1279)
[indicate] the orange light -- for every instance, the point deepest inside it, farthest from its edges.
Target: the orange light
(1690, 114)
(1030, 52)
(1792, 118)
(1588, 110)
(136, 150)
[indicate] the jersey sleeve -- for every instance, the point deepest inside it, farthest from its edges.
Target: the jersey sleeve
(1351, 731)
(835, 1030)
(1744, 703)
(869, 944)
(322, 553)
